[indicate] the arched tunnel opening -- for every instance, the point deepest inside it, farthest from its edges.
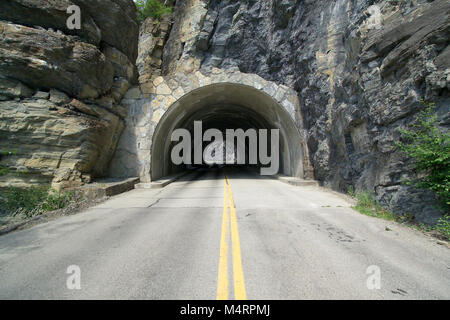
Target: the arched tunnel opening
(223, 107)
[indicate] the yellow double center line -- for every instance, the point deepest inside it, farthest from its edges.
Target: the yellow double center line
(229, 222)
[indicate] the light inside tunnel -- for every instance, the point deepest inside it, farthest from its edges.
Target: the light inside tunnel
(226, 106)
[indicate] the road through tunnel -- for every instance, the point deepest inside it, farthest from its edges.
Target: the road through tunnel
(227, 106)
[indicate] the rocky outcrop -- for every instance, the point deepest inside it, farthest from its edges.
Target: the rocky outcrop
(360, 69)
(60, 89)
(152, 37)
(110, 21)
(117, 22)
(46, 14)
(44, 59)
(54, 142)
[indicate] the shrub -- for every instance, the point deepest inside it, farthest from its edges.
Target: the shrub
(443, 226)
(34, 200)
(151, 8)
(430, 149)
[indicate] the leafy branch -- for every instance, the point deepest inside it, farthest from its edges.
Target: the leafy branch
(151, 8)
(430, 149)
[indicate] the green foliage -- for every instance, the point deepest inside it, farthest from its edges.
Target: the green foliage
(33, 201)
(4, 152)
(151, 8)
(367, 205)
(443, 226)
(4, 171)
(430, 149)
(351, 191)
(22, 172)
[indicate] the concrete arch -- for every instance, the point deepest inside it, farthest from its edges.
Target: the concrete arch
(227, 106)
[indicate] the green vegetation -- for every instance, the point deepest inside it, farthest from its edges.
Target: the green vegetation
(22, 172)
(351, 191)
(367, 205)
(430, 149)
(4, 171)
(443, 226)
(18, 173)
(151, 8)
(33, 201)
(370, 207)
(4, 153)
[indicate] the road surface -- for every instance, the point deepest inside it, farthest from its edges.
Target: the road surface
(211, 236)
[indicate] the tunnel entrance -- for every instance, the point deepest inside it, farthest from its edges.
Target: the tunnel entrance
(226, 106)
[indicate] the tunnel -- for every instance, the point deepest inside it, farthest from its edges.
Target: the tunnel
(226, 106)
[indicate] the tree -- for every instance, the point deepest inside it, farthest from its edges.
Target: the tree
(430, 149)
(151, 8)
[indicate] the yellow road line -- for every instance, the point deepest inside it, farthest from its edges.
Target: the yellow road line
(222, 281)
(238, 273)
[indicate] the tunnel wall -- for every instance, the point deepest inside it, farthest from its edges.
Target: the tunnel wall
(148, 104)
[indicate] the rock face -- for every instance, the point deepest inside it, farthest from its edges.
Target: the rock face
(60, 89)
(49, 14)
(33, 56)
(358, 68)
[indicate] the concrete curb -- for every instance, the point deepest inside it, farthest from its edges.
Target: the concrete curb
(296, 181)
(161, 183)
(108, 187)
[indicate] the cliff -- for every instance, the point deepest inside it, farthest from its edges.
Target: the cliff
(60, 89)
(360, 69)
(350, 73)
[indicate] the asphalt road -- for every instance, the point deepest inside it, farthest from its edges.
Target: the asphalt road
(208, 237)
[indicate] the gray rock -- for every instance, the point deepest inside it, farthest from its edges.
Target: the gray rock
(11, 89)
(59, 98)
(348, 68)
(49, 15)
(117, 23)
(71, 141)
(41, 95)
(48, 60)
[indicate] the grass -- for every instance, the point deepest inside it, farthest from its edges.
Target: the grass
(4, 153)
(3, 171)
(367, 205)
(33, 201)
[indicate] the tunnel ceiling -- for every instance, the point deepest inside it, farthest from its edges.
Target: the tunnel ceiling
(226, 116)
